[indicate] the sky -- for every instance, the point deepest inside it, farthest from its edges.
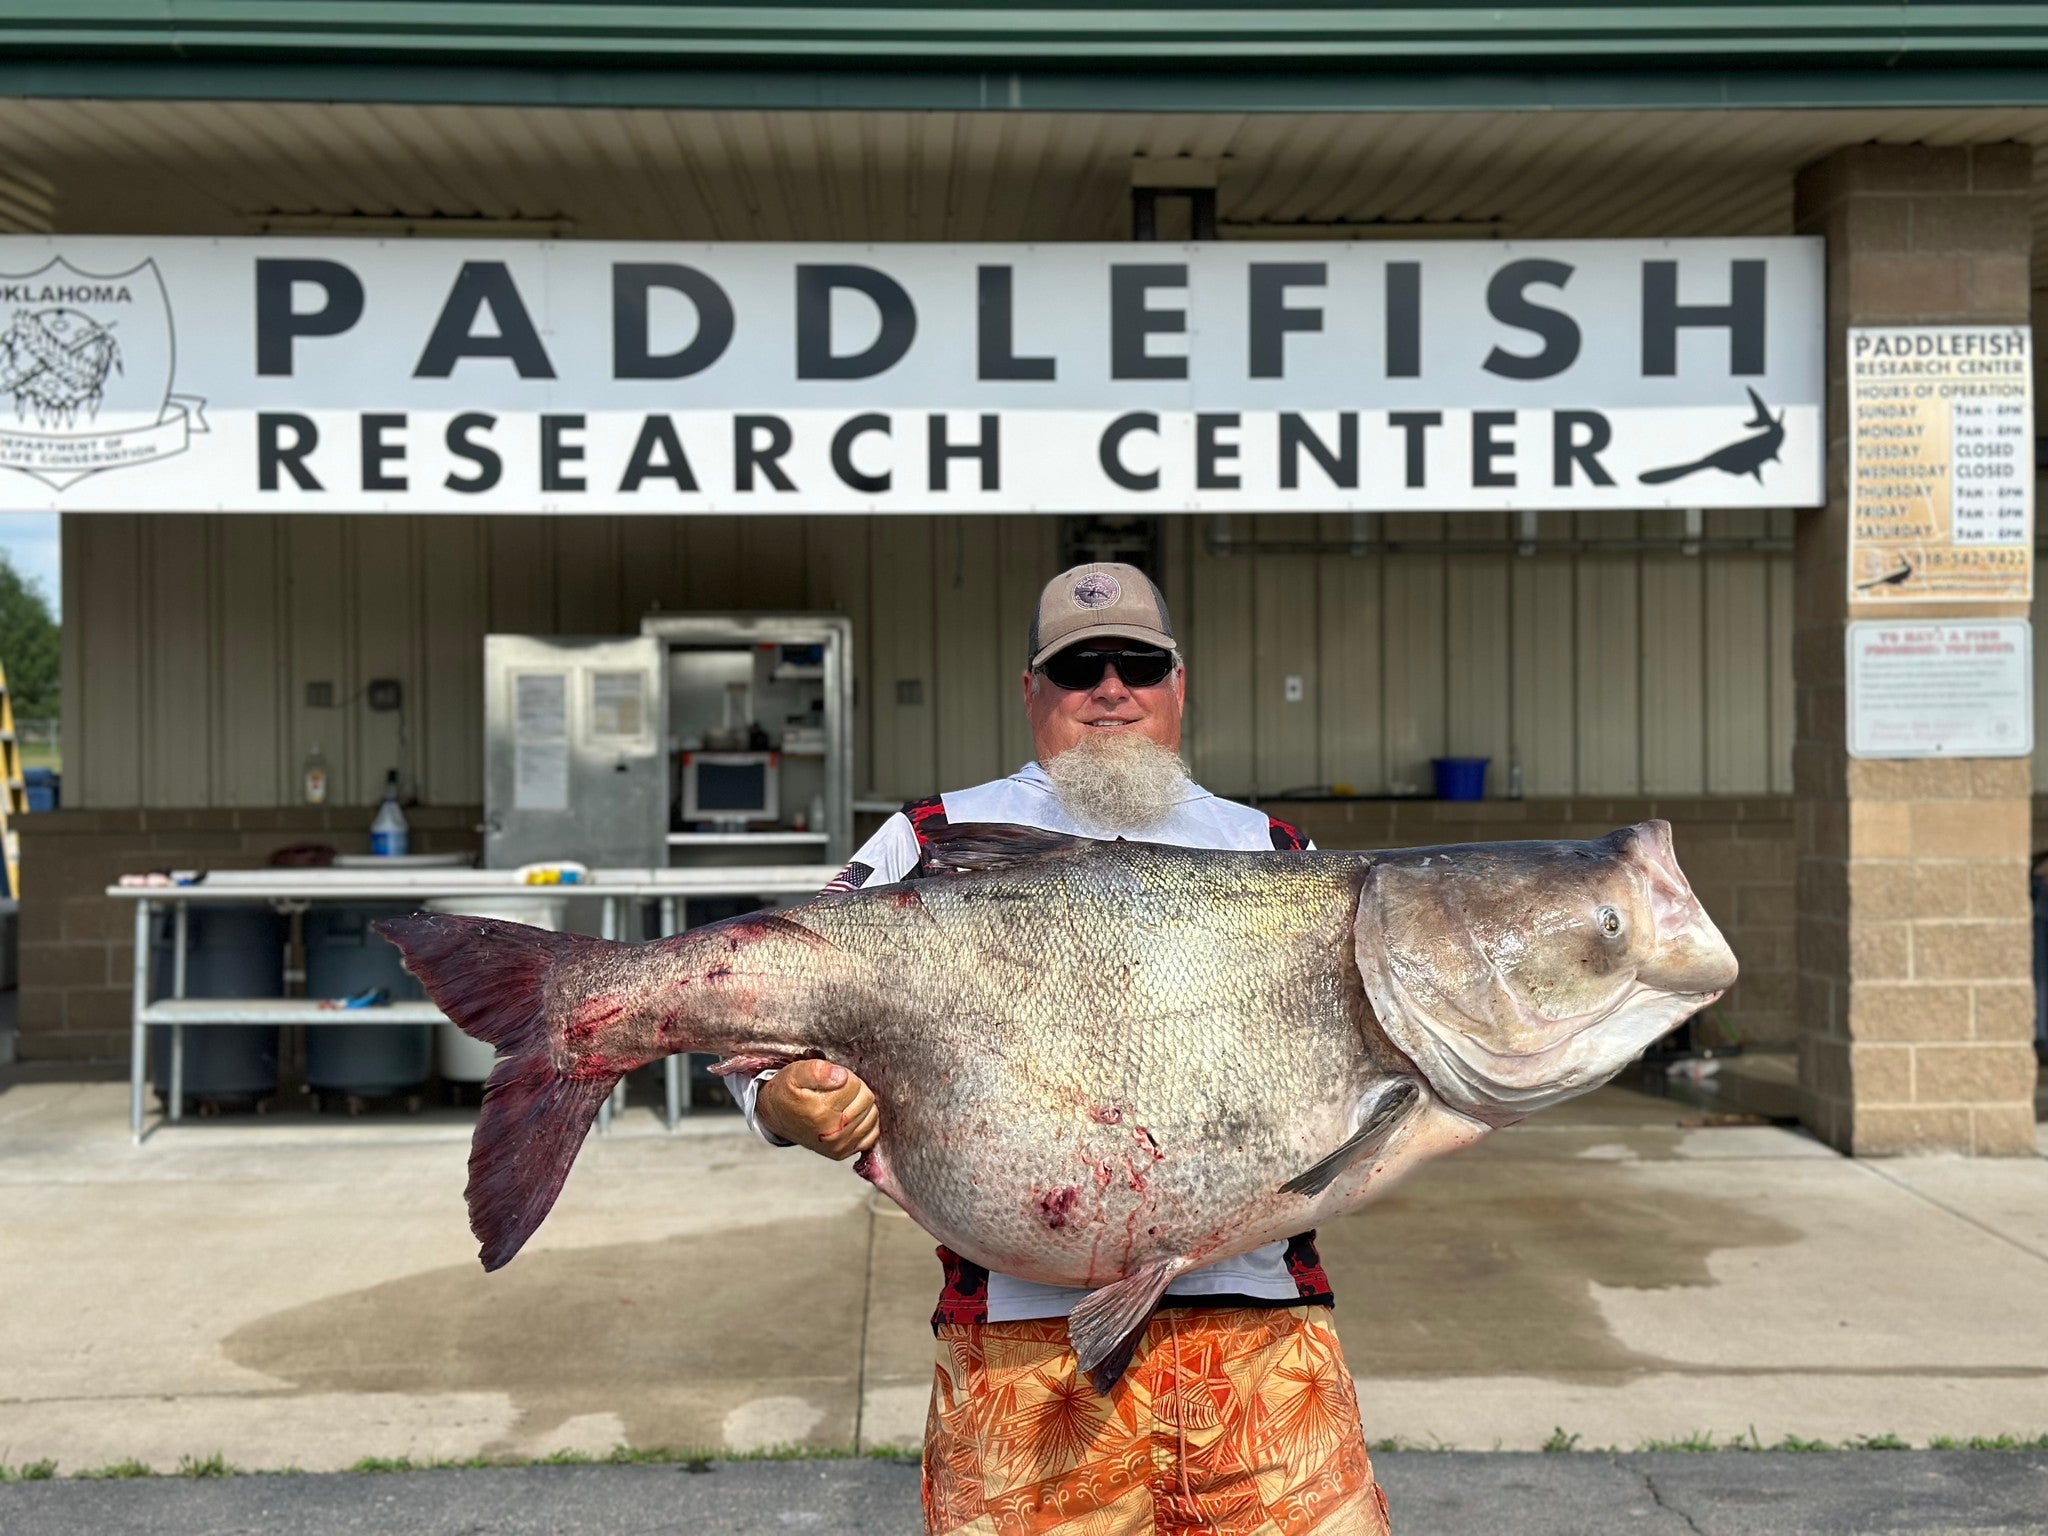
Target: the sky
(29, 540)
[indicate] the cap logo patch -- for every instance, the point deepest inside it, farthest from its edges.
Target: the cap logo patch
(1097, 590)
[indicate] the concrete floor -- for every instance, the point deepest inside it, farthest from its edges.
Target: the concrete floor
(302, 1293)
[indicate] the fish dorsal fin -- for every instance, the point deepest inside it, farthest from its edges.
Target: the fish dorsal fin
(981, 845)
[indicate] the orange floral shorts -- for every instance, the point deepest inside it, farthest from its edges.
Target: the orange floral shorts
(1232, 1421)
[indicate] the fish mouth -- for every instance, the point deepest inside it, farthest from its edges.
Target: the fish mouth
(1500, 1087)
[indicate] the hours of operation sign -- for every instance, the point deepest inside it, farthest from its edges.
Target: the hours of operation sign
(1941, 464)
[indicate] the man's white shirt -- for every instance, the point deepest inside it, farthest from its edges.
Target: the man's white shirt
(1026, 799)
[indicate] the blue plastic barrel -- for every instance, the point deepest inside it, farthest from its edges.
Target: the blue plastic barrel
(229, 952)
(1460, 778)
(44, 790)
(345, 956)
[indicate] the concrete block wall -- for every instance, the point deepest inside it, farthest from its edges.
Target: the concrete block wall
(77, 943)
(1933, 1043)
(1914, 949)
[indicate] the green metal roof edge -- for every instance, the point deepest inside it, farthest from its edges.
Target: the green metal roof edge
(983, 32)
(1043, 90)
(999, 35)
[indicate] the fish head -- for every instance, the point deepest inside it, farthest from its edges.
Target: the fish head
(1517, 975)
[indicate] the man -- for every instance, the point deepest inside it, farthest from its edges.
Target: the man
(1238, 1412)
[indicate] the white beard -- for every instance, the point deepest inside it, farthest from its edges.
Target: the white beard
(1118, 781)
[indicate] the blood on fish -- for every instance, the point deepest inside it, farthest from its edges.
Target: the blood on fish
(718, 972)
(590, 1016)
(1150, 1142)
(1053, 1208)
(1106, 1114)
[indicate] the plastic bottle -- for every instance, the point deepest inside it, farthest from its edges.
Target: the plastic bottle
(388, 833)
(316, 777)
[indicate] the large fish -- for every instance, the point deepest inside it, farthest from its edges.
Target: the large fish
(1102, 1064)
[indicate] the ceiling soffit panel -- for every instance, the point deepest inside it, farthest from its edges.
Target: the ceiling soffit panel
(233, 167)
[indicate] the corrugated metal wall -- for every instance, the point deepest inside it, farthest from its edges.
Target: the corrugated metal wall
(190, 641)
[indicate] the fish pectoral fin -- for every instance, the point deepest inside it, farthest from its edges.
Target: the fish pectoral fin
(1390, 1106)
(1105, 1326)
(978, 845)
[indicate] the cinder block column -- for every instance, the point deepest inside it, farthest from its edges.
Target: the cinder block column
(1914, 947)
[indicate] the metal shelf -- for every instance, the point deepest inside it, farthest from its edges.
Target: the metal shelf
(740, 839)
(283, 1010)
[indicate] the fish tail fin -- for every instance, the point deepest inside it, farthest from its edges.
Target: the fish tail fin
(490, 978)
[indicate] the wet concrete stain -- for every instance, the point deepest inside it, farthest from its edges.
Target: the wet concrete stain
(670, 1335)
(1485, 1268)
(1488, 1268)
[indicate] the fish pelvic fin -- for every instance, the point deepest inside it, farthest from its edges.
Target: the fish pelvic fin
(490, 977)
(1106, 1324)
(982, 845)
(1390, 1105)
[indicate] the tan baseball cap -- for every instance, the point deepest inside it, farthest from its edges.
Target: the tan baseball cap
(1091, 602)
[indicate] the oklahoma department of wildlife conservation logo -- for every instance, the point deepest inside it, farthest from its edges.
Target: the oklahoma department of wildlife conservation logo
(86, 361)
(1098, 589)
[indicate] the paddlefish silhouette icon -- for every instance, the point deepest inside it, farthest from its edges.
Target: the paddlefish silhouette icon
(88, 360)
(1745, 456)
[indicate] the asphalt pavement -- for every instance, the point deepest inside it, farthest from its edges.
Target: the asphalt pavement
(1450, 1493)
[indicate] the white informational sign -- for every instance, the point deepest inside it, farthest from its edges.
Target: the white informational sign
(1941, 690)
(540, 741)
(1941, 464)
(468, 376)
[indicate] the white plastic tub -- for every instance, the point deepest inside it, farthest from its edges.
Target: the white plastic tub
(458, 1058)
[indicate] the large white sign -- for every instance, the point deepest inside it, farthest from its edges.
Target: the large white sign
(464, 376)
(1941, 690)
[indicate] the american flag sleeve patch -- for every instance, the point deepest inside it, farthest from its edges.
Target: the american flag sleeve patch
(851, 878)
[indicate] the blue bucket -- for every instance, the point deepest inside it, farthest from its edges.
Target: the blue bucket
(1460, 778)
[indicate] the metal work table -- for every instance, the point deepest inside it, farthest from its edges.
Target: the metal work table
(294, 889)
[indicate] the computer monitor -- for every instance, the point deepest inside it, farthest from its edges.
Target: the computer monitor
(731, 786)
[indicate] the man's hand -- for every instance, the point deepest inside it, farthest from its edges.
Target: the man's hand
(822, 1106)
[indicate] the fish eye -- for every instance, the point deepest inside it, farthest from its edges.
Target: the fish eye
(1609, 921)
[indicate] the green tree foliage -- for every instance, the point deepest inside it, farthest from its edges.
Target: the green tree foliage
(28, 645)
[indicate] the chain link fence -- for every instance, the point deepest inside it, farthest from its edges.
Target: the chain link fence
(38, 740)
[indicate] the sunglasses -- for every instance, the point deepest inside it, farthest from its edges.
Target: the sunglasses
(1079, 670)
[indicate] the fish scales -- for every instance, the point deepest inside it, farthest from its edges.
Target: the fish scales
(1100, 1064)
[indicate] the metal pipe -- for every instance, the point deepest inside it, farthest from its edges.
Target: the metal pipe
(181, 932)
(138, 1041)
(675, 1070)
(608, 928)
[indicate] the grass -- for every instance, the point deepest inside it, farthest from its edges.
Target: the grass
(690, 1458)
(128, 1468)
(28, 1472)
